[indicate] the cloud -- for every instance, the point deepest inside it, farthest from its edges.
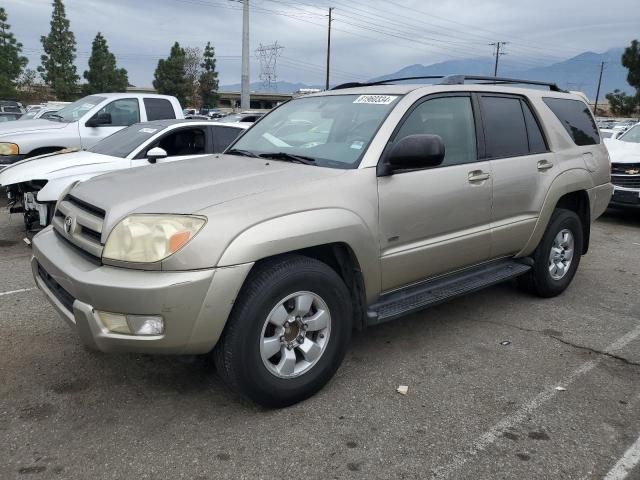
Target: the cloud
(370, 38)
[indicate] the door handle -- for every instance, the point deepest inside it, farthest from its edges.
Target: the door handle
(544, 165)
(478, 176)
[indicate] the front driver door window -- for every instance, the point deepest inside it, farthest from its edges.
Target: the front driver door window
(182, 143)
(123, 112)
(438, 219)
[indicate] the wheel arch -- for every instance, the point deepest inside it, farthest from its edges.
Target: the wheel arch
(569, 191)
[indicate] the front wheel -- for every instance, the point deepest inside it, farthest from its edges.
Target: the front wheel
(288, 331)
(557, 257)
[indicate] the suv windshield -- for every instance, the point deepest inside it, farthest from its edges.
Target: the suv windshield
(332, 130)
(125, 141)
(632, 135)
(75, 111)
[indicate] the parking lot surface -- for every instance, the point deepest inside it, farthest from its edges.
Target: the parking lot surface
(500, 385)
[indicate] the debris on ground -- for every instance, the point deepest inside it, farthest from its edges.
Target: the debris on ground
(402, 389)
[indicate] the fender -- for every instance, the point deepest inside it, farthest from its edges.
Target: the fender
(569, 181)
(304, 230)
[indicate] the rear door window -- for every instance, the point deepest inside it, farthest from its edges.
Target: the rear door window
(505, 129)
(159, 109)
(537, 143)
(576, 119)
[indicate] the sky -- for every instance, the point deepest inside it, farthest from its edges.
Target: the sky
(370, 38)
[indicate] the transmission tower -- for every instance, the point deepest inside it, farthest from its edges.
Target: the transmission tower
(268, 55)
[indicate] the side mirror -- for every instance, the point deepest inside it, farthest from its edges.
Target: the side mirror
(412, 152)
(99, 119)
(155, 154)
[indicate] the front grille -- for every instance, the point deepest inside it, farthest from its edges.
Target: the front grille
(64, 297)
(80, 223)
(624, 168)
(626, 181)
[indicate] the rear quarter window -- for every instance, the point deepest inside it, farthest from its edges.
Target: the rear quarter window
(576, 119)
(158, 109)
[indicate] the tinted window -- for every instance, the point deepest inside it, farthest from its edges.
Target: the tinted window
(122, 143)
(504, 127)
(158, 109)
(452, 119)
(576, 119)
(536, 139)
(184, 141)
(124, 112)
(223, 136)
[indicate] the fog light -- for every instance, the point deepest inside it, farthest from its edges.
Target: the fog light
(132, 324)
(145, 324)
(114, 322)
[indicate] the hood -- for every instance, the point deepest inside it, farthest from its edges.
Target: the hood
(28, 126)
(47, 167)
(189, 186)
(623, 152)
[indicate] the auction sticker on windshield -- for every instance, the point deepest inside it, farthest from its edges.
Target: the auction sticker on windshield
(376, 99)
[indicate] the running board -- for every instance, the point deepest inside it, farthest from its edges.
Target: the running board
(441, 289)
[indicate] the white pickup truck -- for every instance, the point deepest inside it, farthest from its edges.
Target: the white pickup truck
(82, 124)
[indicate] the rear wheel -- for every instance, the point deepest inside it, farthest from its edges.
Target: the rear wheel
(288, 332)
(557, 257)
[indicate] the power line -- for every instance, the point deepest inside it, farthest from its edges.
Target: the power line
(498, 45)
(326, 85)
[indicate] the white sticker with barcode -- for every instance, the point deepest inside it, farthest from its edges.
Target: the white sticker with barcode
(376, 99)
(148, 130)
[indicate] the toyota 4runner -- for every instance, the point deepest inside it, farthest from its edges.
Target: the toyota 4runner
(337, 210)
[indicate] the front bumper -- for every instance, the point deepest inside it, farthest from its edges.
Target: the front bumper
(195, 305)
(625, 197)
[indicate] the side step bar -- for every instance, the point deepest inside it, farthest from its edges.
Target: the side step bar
(441, 289)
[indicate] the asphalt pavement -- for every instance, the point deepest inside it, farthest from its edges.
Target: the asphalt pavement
(501, 385)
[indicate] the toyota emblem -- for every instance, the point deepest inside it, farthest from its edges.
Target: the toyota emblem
(68, 223)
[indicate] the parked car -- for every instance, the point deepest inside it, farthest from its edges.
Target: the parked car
(625, 167)
(9, 117)
(609, 133)
(45, 112)
(82, 124)
(270, 254)
(11, 106)
(196, 116)
(248, 117)
(34, 185)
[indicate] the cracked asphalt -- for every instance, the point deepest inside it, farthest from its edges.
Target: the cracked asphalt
(502, 385)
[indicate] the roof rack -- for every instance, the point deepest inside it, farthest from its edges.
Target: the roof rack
(455, 80)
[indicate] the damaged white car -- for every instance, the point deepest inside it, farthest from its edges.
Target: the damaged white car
(34, 185)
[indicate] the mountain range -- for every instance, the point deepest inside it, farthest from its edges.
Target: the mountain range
(577, 73)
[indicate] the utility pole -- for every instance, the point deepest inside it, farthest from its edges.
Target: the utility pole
(595, 107)
(498, 46)
(245, 99)
(328, 49)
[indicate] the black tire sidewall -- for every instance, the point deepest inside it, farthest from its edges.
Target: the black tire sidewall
(253, 379)
(561, 219)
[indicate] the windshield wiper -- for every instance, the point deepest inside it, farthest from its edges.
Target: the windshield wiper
(289, 157)
(244, 153)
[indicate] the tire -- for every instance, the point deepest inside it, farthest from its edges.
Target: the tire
(242, 354)
(542, 279)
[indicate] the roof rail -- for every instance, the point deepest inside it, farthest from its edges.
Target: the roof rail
(455, 80)
(461, 79)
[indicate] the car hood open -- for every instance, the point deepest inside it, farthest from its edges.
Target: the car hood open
(54, 165)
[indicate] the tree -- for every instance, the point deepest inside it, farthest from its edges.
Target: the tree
(170, 78)
(192, 60)
(103, 74)
(26, 84)
(622, 104)
(57, 69)
(11, 60)
(631, 60)
(209, 78)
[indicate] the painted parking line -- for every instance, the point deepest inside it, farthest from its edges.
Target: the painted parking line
(495, 432)
(629, 460)
(11, 292)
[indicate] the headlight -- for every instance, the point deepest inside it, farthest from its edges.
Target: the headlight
(150, 238)
(9, 149)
